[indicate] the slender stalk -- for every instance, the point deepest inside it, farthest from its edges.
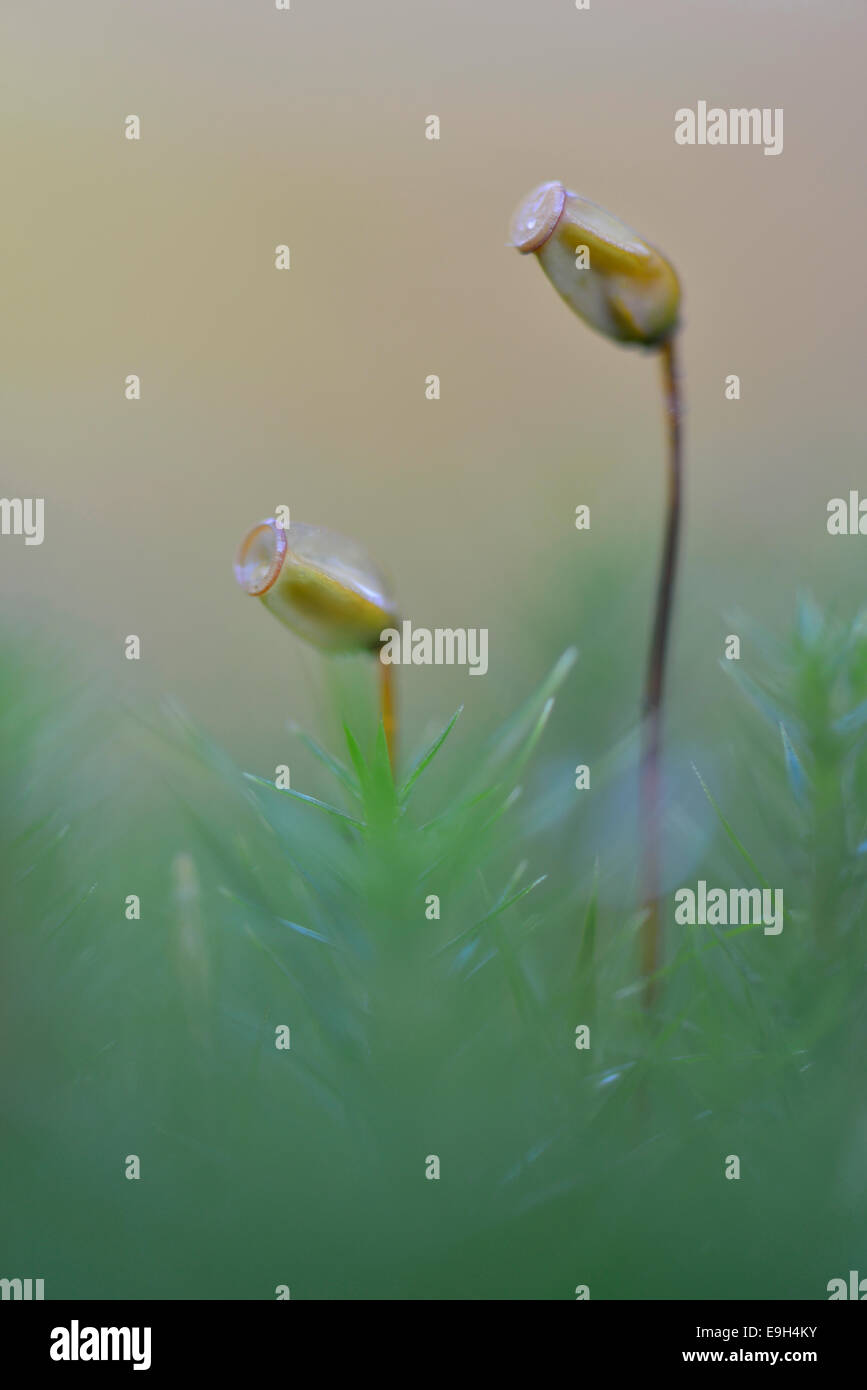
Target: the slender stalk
(387, 709)
(650, 797)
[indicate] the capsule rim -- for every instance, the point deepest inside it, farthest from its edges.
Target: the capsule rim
(557, 192)
(277, 563)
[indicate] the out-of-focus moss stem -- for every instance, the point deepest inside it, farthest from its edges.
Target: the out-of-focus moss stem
(651, 790)
(388, 710)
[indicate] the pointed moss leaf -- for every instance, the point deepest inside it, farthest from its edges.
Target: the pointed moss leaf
(809, 619)
(380, 794)
(303, 796)
(585, 967)
(513, 736)
(757, 697)
(729, 831)
(852, 722)
(304, 931)
(335, 767)
(454, 812)
(427, 757)
(513, 797)
(502, 905)
(794, 768)
(357, 757)
(70, 913)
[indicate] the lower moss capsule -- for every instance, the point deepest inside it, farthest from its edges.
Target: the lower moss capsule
(321, 585)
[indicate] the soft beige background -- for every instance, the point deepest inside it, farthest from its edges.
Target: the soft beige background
(307, 127)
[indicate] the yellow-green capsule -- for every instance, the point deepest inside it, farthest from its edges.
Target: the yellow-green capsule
(321, 585)
(611, 278)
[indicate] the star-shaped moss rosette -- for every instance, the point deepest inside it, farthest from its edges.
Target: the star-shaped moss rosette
(326, 589)
(625, 289)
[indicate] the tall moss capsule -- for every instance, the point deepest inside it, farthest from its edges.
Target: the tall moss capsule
(614, 280)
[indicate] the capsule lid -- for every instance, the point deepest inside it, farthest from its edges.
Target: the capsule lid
(538, 215)
(260, 557)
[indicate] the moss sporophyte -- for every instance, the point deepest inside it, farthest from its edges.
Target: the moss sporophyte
(625, 289)
(325, 588)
